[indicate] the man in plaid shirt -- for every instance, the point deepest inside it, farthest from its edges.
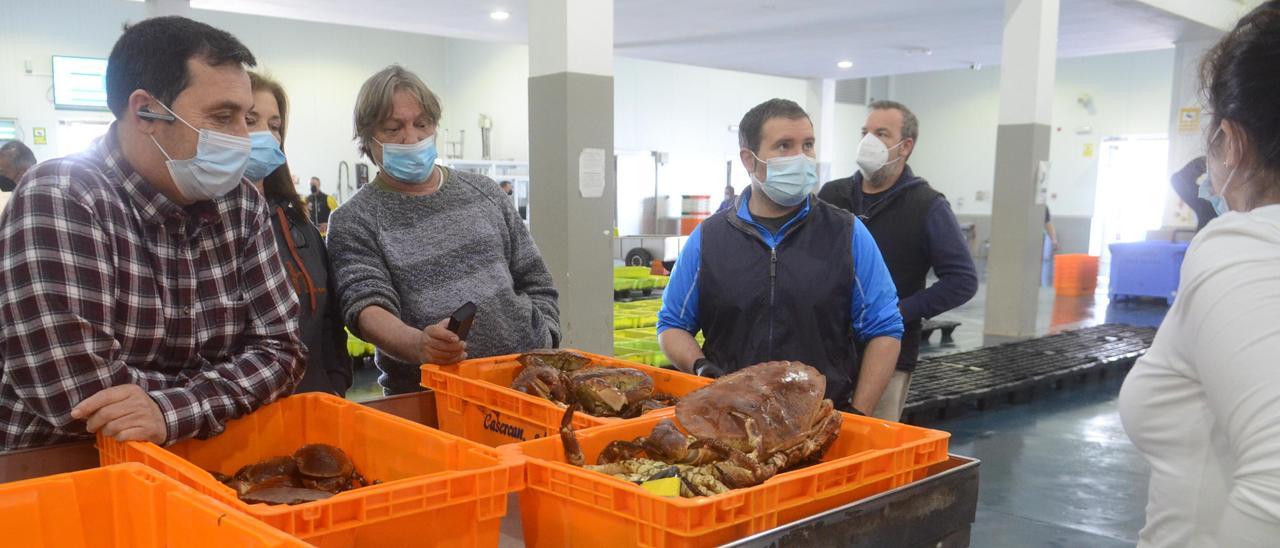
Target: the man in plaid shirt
(141, 293)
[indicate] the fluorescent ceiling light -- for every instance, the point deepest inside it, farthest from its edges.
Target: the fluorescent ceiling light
(500, 15)
(845, 64)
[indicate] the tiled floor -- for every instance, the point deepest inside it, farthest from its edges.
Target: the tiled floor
(1058, 471)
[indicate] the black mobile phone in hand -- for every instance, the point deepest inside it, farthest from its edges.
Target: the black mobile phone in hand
(460, 320)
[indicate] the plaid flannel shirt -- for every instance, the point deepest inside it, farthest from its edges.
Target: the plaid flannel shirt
(105, 281)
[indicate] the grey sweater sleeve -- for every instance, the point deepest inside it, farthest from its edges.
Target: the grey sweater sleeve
(358, 265)
(531, 277)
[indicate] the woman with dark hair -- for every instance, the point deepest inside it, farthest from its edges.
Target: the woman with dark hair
(1203, 405)
(302, 249)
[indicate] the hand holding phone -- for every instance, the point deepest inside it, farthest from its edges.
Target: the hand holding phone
(460, 320)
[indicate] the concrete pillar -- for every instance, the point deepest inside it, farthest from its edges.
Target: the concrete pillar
(1188, 120)
(570, 155)
(1028, 58)
(820, 103)
(161, 8)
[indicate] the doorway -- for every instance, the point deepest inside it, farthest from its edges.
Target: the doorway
(76, 136)
(1131, 192)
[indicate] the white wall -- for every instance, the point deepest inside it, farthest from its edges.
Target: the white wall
(684, 110)
(492, 79)
(958, 113)
(848, 133)
(321, 67)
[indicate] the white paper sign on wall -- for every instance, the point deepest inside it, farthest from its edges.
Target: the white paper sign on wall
(591, 172)
(1042, 182)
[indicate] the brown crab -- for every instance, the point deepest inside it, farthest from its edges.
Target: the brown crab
(546, 373)
(566, 377)
(326, 468)
(314, 472)
(562, 360)
(741, 430)
(611, 391)
(272, 472)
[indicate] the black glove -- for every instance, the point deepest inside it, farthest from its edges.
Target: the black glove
(704, 368)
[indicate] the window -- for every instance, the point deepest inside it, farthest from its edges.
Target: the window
(76, 135)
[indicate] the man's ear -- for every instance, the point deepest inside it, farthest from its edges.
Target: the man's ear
(141, 101)
(748, 160)
(908, 146)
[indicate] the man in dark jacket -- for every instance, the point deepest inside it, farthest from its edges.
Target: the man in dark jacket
(783, 276)
(1186, 182)
(915, 229)
(15, 160)
(320, 205)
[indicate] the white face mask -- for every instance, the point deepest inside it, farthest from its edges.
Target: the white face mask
(1217, 199)
(873, 155)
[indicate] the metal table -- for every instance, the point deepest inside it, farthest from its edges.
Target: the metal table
(936, 511)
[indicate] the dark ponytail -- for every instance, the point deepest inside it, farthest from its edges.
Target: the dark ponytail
(1240, 78)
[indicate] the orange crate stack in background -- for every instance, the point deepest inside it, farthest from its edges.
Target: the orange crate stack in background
(127, 505)
(474, 399)
(436, 488)
(1075, 274)
(564, 505)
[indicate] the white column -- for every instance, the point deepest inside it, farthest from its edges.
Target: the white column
(570, 149)
(1028, 57)
(820, 103)
(1187, 122)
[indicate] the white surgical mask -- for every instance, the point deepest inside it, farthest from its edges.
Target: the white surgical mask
(873, 155)
(217, 167)
(789, 179)
(1217, 199)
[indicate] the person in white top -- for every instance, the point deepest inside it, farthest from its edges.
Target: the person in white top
(1203, 405)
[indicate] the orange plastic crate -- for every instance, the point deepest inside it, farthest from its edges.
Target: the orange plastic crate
(127, 505)
(474, 399)
(564, 505)
(1075, 274)
(437, 489)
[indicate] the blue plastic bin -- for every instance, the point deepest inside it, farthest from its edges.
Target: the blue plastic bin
(1146, 269)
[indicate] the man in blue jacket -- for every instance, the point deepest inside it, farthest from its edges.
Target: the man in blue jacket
(915, 228)
(782, 275)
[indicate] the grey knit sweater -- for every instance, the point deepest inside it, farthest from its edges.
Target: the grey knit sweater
(421, 257)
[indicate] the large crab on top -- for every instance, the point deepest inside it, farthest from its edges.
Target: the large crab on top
(737, 432)
(567, 377)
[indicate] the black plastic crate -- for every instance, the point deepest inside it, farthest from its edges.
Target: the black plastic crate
(1019, 371)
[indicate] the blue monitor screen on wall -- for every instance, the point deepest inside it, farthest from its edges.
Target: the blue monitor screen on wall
(79, 83)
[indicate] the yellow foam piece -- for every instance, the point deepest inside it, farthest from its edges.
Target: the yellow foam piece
(665, 487)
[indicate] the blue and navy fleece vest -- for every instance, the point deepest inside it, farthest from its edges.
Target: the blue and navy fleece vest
(759, 304)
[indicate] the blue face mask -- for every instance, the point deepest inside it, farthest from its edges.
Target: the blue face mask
(790, 179)
(217, 167)
(409, 164)
(265, 157)
(1217, 200)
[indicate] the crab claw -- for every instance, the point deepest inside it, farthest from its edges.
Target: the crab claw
(572, 451)
(740, 469)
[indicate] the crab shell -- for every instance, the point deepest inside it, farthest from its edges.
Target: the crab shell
(563, 360)
(783, 401)
(271, 472)
(321, 461)
(610, 391)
